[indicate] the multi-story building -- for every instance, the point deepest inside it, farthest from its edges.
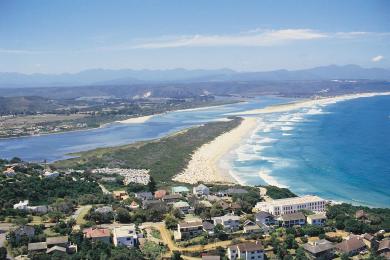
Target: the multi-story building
(292, 205)
(246, 251)
(229, 222)
(186, 230)
(125, 236)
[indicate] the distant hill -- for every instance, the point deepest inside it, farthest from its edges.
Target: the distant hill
(127, 76)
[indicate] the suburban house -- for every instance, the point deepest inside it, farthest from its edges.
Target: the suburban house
(41, 209)
(172, 198)
(384, 248)
(159, 194)
(351, 246)
(292, 219)
(144, 196)
(320, 249)
(38, 247)
(250, 227)
(133, 205)
(246, 251)
(120, 194)
(369, 240)
(183, 206)
(264, 218)
(97, 234)
(125, 236)
(180, 190)
(22, 205)
(104, 210)
(59, 245)
(201, 190)
(154, 204)
(51, 175)
(9, 172)
(291, 205)
(187, 229)
(208, 227)
(22, 231)
(229, 222)
(318, 219)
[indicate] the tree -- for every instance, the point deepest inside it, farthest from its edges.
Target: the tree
(344, 257)
(3, 253)
(300, 254)
(170, 221)
(123, 215)
(152, 185)
(176, 256)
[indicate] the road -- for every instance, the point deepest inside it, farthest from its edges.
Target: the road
(4, 228)
(166, 237)
(80, 213)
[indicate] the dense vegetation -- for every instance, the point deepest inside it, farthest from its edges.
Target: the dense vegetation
(343, 216)
(279, 193)
(164, 157)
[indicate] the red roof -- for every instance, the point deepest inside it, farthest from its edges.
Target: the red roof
(96, 232)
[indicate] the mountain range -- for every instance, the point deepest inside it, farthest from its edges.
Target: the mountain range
(129, 76)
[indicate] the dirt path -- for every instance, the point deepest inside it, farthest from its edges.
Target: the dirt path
(166, 237)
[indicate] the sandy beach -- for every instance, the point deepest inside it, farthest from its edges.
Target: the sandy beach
(136, 120)
(205, 163)
(308, 103)
(203, 166)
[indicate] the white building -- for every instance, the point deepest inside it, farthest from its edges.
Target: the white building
(318, 219)
(201, 190)
(125, 236)
(22, 205)
(246, 251)
(292, 205)
(49, 174)
(229, 222)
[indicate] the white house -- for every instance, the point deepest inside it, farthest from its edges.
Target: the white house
(246, 251)
(188, 229)
(229, 222)
(201, 190)
(22, 205)
(9, 172)
(292, 205)
(49, 174)
(125, 236)
(183, 206)
(318, 219)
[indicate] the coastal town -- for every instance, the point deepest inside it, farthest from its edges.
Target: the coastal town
(105, 212)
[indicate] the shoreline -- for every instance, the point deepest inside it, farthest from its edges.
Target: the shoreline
(207, 163)
(203, 167)
(308, 103)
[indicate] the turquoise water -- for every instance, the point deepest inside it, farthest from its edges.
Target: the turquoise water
(340, 152)
(56, 146)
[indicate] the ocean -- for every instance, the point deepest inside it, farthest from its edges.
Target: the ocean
(339, 152)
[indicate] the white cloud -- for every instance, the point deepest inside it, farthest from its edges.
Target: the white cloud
(253, 38)
(377, 58)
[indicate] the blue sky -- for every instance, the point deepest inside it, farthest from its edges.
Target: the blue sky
(68, 36)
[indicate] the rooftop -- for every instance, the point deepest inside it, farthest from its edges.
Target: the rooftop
(180, 189)
(96, 232)
(292, 216)
(317, 216)
(190, 224)
(350, 244)
(57, 240)
(124, 231)
(318, 246)
(37, 246)
(294, 200)
(248, 246)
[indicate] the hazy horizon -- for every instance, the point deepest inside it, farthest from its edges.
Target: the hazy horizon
(55, 37)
